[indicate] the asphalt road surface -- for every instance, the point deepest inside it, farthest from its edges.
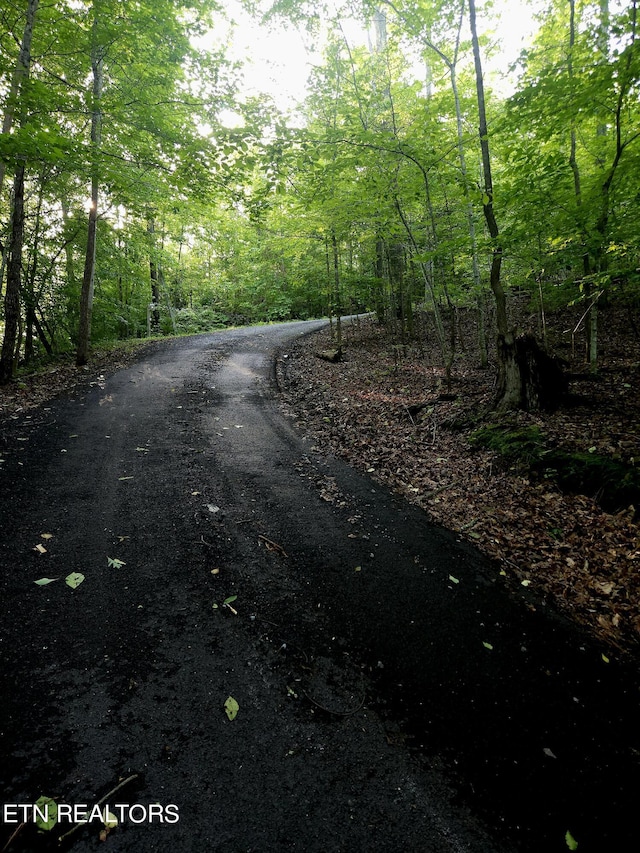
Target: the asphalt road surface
(389, 693)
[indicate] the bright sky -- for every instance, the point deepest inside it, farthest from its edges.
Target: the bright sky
(278, 60)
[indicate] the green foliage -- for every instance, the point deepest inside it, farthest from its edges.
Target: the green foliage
(364, 204)
(191, 321)
(612, 482)
(516, 444)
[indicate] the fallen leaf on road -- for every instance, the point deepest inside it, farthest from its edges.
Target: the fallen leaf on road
(45, 581)
(74, 579)
(46, 535)
(572, 844)
(231, 708)
(228, 602)
(115, 563)
(49, 808)
(40, 549)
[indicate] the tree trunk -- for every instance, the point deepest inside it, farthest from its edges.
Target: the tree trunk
(88, 279)
(20, 74)
(527, 377)
(14, 270)
(154, 324)
(337, 294)
(591, 315)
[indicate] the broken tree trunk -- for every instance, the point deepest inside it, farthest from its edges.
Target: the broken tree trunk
(528, 377)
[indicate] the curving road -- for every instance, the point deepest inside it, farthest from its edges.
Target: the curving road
(391, 694)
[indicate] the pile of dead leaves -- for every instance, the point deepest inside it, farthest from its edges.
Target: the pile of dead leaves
(385, 409)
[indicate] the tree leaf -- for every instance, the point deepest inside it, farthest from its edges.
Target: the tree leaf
(115, 563)
(74, 579)
(45, 581)
(488, 646)
(453, 580)
(572, 844)
(231, 708)
(49, 808)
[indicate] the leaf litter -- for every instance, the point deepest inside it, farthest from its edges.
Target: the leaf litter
(388, 411)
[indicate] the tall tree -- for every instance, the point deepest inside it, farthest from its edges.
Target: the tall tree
(88, 278)
(14, 277)
(527, 377)
(14, 266)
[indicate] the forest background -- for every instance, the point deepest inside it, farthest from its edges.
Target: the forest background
(484, 213)
(141, 191)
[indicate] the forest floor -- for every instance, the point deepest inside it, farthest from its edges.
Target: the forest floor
(385, 408)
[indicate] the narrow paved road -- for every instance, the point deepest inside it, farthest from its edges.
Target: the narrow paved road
(391, 695)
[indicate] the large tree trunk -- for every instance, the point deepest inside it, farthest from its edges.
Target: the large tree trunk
(14, 271)
(529, 378)
(88, 279)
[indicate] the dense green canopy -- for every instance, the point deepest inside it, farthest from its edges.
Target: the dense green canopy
(374, 197)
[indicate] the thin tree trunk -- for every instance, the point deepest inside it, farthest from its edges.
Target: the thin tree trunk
(337, 295)
(591, 316)
(30, 296)
(510, 390)
(154, 278)
(14, 271)
(447, 356)
(88, 278)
